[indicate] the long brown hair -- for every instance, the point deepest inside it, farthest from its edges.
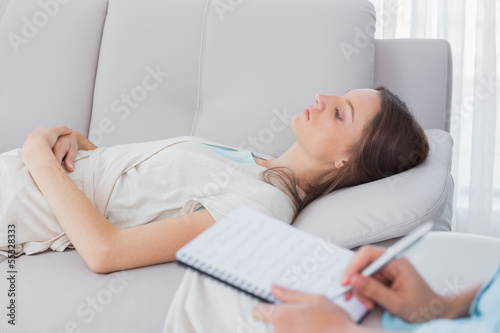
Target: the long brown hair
(391, 142)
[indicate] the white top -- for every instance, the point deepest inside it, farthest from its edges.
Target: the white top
(178, 178)
(134, 184)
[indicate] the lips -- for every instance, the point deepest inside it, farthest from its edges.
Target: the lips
(307, 113)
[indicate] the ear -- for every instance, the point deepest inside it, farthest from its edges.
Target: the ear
(340, 164)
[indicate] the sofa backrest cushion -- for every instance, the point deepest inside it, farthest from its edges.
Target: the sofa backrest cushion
(147, 79)
(48, 59)
(229, 71)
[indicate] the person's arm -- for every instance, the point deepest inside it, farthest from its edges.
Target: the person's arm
(152, 243)
(458, 306)
(399, 289)
(104, 247)
(83, 142)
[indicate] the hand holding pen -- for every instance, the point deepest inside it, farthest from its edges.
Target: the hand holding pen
(397, 287)
(387, 272)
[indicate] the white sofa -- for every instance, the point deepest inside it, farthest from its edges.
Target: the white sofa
(232, 71)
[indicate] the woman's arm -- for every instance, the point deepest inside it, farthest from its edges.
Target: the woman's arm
(84, 143)
(152, 243)
(103, 246)
(458, 306)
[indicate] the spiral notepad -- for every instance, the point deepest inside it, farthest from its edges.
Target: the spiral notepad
(249, 251)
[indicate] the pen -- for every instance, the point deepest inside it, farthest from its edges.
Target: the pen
(392, 252)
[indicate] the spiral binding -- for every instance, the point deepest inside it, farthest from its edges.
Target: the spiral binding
(225, 277)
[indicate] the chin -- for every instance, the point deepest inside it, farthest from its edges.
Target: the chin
(295, 126)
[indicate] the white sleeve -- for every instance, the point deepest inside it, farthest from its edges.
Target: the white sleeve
(221, 205)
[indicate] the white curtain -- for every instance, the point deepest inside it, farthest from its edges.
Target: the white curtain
(472, 28)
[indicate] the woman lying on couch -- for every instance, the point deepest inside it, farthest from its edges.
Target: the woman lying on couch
(103, 202)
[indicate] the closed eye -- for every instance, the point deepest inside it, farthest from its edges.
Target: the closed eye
(337, 114)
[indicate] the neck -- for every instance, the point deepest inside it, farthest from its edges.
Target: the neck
(304, 167)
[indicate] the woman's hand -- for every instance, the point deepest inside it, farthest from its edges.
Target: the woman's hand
(302, 312)
(65, 149)
(397, 287)
(40, 139)
(46, 135)
(62, 140)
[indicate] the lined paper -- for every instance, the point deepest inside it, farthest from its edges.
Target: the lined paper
(250, 251)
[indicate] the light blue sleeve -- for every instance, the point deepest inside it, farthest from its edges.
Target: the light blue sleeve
(392, 323)
(461, 325)
(238, 156)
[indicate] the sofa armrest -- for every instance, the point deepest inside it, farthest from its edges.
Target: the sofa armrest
(452, 261)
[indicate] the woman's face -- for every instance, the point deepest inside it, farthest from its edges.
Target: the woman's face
(332, 124)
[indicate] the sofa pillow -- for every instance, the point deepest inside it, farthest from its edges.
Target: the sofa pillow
(389, 207)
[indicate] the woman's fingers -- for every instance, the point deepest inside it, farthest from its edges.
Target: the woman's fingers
(69, 161)
(61, 148)
(361, 259)
(50, 135)
(59, 152)
(292, 296)
(265, 312)
(65, 149)
(368, 303)
(62, 130)
(369, 288)
(56, 132)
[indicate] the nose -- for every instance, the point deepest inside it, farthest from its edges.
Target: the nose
(324, 101)
(320, 102)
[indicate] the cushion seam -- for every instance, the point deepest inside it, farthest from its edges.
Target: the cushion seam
(3, 10)
(98, 60)
(446, 83)
(201, 68)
